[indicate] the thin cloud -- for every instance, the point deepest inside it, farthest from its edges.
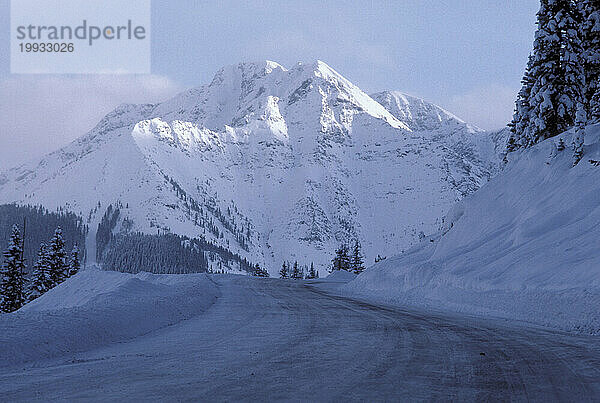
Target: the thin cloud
(42, 113)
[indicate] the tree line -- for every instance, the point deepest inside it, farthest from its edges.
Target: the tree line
(51, 268)
(561, 87)
(161, 253)
(296, 271)
(164, 254)
(348, 258)
(41, 224)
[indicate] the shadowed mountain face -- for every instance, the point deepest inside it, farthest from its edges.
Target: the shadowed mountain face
(271, 163)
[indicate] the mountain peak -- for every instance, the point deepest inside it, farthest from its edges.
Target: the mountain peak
(239, 93)
(321, 68)
(245, 71)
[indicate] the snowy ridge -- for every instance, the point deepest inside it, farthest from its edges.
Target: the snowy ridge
(418, 114)
(524, 246)
(270, 163)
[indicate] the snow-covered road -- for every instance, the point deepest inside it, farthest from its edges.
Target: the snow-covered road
(284, 340)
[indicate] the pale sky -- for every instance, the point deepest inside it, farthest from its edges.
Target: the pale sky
(467, 56)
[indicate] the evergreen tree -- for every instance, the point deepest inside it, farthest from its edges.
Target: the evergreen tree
(562, 72)
(589, 32)
(571, 61)
(296, 274)
(41, 280)
(561, 145)
(259, 272)
(12, 292)
(341, 261)
(521, 118)
(579, 134)
(283, 272)
(312, 273)
(57, 258)
(357, 264)
(511, 145)
(595, 106)
(548, 115)
(74, 264)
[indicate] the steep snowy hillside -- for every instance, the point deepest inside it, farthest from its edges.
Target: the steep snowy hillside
(524, 246)
(270, 163)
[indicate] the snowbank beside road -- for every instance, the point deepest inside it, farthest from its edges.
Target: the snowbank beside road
(95, 308)
(342, 276)
(525, 246)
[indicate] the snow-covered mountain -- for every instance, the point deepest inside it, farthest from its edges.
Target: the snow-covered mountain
(272, 163)
(523, 246)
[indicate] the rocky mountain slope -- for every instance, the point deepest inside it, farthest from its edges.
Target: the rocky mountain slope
(271, 163)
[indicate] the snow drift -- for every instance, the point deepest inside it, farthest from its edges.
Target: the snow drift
(524, 246)
(95, 308)
(342, 276)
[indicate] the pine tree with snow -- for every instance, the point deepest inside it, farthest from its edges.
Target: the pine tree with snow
(341, 261)
(336, 262)
(595, 106)
(548, 115)
(511, 145)
(579, 138)
(563, 71)
(12, 284)
(41, 281)
(357, 264)
(74, 264)
(260, 272)
(283, 272)
(571, 60)
(296, 272)
(561, 145)
(312, 273)
(519, 126)
(589, 32)
(57, 258)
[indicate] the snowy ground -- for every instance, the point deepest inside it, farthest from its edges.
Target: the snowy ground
(231, 338)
